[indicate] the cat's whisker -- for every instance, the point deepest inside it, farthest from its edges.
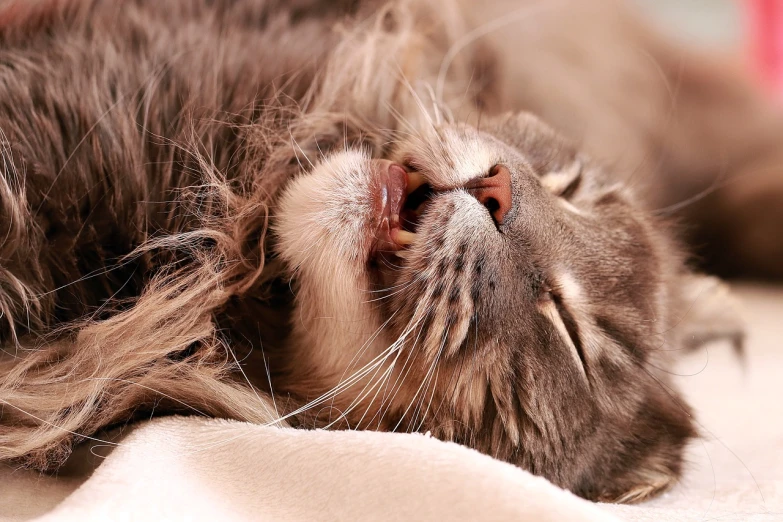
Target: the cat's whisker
(380, 405)
(403, 373)
(419, 389)
(355, 377)
(295, 144)
(431, 378)
(485, 29)
(359, 353)
(358, 400)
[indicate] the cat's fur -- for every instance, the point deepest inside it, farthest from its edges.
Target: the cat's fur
(191, 201)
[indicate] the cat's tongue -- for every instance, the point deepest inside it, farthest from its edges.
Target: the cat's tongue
(390, 199)
(398, 200)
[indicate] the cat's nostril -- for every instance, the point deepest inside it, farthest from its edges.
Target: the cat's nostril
(494, 192)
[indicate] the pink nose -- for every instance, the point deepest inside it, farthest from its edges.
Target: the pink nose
(494, 192)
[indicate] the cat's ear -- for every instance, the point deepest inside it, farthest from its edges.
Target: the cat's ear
(649, 459)
(708, 312)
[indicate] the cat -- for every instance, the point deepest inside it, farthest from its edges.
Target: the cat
(338, 214)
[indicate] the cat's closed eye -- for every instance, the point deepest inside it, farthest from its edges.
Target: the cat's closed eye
(290, 190)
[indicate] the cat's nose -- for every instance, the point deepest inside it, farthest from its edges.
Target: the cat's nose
(494, 192)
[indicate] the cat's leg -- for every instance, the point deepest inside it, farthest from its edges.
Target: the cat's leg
(721, 166)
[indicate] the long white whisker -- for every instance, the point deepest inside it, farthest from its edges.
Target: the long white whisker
(481, 31)
(369, 367)
(39, 419)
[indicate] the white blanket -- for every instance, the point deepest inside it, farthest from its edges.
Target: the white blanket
(197, 469)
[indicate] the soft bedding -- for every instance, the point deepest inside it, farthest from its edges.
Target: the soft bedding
(200, 469)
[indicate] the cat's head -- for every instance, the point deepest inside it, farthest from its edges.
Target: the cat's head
(497, 288)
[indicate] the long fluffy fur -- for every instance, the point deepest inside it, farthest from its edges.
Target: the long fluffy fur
(66, 376)
(142, 196)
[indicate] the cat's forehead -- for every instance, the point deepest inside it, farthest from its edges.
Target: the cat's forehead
(451, 154)
(456, 153)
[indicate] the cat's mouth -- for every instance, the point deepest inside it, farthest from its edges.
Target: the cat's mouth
(401, 199)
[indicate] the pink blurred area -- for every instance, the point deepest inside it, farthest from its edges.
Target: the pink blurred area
(764, 31)
(752, 29)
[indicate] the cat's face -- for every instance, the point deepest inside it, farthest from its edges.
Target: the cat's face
(496, 288)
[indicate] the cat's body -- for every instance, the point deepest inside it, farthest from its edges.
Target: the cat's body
(200, 155)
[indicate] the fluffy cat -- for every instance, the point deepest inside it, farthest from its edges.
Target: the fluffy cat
(323, 214)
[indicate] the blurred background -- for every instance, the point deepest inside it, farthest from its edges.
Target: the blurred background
(702, 22)
(736, 471)
(752, 29)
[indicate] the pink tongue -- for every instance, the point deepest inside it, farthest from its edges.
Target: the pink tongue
(398, 182)
(392, 199)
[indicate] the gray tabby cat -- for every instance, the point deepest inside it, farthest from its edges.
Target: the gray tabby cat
(209, 203)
